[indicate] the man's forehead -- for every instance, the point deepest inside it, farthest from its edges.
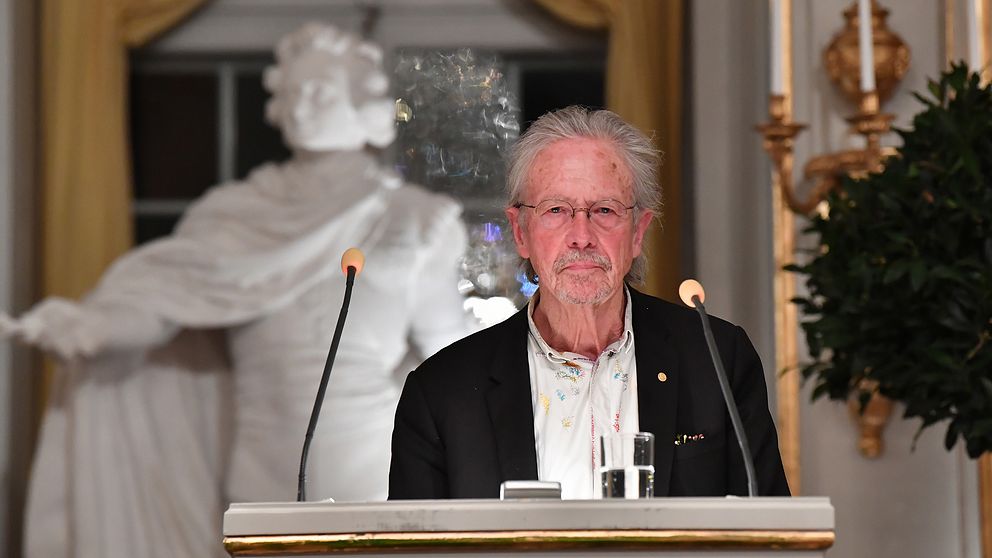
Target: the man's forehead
(583, 154)
(600, 148)
(587, 160)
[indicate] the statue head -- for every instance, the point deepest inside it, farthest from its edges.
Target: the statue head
(329, 91)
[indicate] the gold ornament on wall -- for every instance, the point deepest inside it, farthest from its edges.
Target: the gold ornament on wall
(871, 419)
(842, 61)
(841, 58)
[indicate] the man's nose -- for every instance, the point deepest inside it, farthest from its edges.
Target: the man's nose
(580, 233)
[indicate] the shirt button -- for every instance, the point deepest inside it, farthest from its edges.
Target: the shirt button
(662, 377)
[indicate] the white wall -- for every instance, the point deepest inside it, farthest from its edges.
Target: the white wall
(16, 208)
(730, 171)
(905, 504)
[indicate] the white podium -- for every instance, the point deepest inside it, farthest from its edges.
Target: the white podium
(673, 527)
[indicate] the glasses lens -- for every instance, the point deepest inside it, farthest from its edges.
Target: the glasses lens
(607, 214)
(553, 214)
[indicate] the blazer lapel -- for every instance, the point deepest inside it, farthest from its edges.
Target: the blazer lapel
(657, 385)
(510, 403)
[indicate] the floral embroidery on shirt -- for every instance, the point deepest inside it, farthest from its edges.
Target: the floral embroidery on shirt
(545, 402)
(571, 374)
(623, 377)
(567, 422)
(560, 394)
(616, 422)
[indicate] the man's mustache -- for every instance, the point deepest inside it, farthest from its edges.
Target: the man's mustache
(574, 256)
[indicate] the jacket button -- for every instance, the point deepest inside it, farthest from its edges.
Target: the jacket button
(662, 377)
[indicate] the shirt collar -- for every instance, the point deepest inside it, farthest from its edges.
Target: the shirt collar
(624, 343)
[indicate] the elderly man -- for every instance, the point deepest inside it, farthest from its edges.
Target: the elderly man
(528, 398)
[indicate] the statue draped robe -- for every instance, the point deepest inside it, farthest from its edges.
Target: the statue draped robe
(143, 448)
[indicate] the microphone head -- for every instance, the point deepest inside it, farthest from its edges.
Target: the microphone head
(690, 288)
(352, 257)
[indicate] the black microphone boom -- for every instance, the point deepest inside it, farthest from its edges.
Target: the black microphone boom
(728, 397)
(301, 490)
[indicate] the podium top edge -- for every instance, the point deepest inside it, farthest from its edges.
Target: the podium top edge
(530, 503)
(273, 518)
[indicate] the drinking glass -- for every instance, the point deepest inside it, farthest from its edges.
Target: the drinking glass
(627, 464)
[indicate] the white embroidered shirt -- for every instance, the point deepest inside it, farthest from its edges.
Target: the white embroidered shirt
(576, 400)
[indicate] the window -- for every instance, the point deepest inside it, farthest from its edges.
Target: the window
(198, 120)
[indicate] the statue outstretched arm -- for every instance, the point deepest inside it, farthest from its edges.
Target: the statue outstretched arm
(8, 326)
(71, 330)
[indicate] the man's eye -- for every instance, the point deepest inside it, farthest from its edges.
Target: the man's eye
(555, 210)
(603, 210)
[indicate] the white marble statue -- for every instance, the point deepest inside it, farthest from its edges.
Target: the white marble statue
(188, 374)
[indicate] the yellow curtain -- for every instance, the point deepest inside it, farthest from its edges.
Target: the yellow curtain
(85, 167)
(644, 86)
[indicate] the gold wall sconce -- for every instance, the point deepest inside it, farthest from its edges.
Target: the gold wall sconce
(888, 57)
(841, 59)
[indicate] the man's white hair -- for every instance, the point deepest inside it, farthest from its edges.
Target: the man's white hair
(634, 148)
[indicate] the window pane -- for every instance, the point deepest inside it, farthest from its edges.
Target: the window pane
(460, 117)
(258, 141)
(173, 134)
(151, 227)
(545, 88)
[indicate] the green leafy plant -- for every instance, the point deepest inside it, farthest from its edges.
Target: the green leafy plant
(900, 291)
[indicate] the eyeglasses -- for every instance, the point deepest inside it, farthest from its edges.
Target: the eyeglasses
(554, 214)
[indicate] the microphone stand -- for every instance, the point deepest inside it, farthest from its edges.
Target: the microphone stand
(728, 397)
(301, 491)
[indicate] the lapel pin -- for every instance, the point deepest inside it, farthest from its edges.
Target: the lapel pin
(662, 377)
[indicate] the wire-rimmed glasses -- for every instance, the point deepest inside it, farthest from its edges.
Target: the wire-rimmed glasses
(554, 214)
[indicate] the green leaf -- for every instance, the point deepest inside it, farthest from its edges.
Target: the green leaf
(894, 272)
(951, 437)
(917, 274)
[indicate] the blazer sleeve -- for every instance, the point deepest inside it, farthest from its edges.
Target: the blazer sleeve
(750, 392)
(417, 469)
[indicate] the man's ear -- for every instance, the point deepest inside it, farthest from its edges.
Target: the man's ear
(640, 228)
(514, 216)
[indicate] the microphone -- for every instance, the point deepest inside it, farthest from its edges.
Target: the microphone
(692, 294)
(352, 262)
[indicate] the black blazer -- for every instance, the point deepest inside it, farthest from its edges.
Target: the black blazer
(465, 420)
